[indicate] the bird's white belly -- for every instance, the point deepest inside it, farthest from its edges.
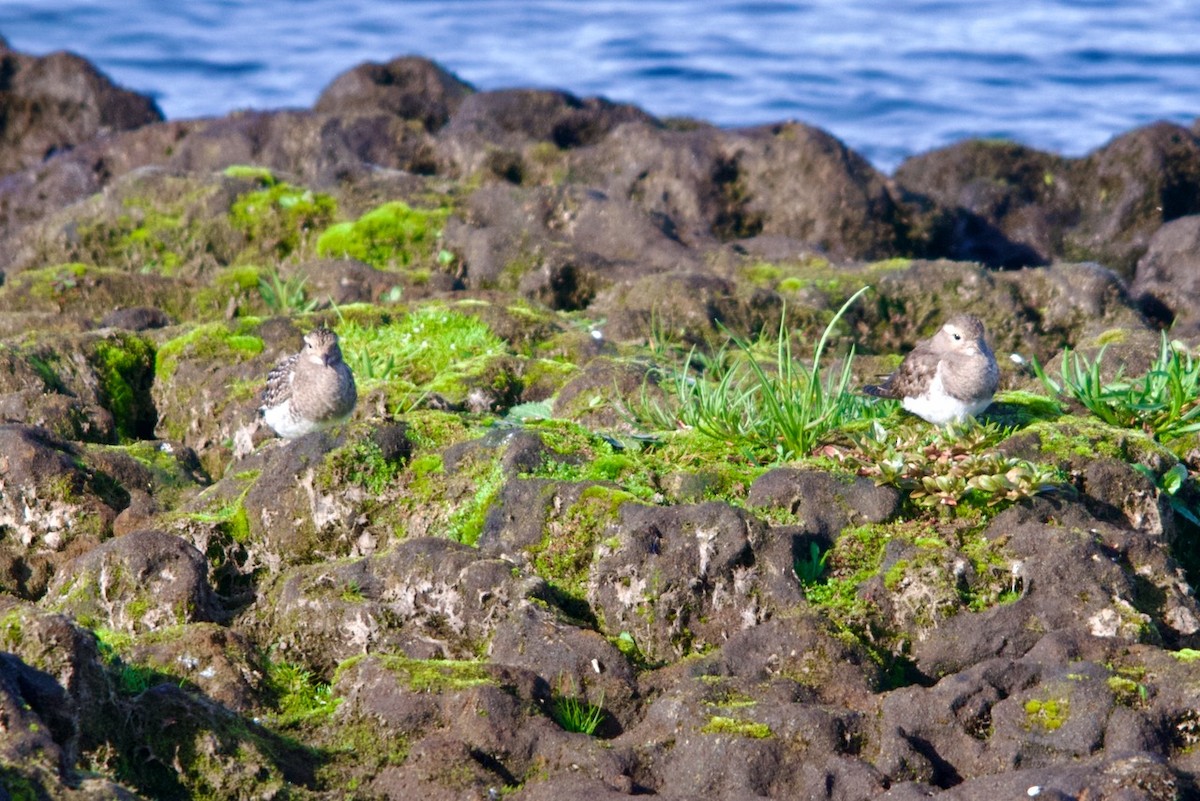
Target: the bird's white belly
(285, 424)
(936, 406)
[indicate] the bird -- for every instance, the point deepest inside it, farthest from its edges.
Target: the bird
(309, 390)
(947, 378)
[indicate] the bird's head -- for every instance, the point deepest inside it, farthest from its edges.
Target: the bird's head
(321, 347)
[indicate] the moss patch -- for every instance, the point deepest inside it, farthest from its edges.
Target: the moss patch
(280, 217)
(124, 363)
(215, 342)
(392, 236)
(718, 724)
(1046, 714)
(428, 675)
(565, 554)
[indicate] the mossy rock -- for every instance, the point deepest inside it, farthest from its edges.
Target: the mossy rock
(393, 236)
(278, 218)
(147, 222)
(89, 292)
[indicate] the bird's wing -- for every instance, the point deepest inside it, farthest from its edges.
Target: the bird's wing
(911, 378)
(279, 382)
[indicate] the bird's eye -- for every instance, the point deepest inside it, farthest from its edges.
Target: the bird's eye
(957, 337)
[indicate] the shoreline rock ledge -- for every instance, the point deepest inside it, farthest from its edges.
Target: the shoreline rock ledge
(515, 572)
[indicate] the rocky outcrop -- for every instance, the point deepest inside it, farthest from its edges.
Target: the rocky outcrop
(50, 104)
(544, 559)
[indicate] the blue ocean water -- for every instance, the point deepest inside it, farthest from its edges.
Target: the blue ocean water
(889, 77)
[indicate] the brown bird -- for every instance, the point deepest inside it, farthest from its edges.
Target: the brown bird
(948, 377)
(309, 390)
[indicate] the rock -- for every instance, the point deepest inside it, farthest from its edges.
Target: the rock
(1018, 207)
(219, 663)
(1011, 222)
(428, 598)
(1166, 282)
(1128, 189)
(51, 508)
(136, 318)
(60, 665)
(411, 87)
(52, 103)
(513, 115)
(801, 182)
(678, 578)
(824, 502)
(142, 581)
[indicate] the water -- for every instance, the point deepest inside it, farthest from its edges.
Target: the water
(890, 78)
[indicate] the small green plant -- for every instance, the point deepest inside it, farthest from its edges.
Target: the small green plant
(575, 715)
(944, 467)
(784, 408)
(810, 570)
(129, 679)
(298, 695)
(1170, 484)
(285, 296)
(1165, 402)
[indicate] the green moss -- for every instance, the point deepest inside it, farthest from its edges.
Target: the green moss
(1048, 714)
(280, 217)
(433, 349)
(467, 521)
(1187, 655)
(429, 675)
(124, 364)
(565, 553)
(250, 172)
(895, 574)
(738, 728)
(54, 283)
(227, 515)
(11, 628)
(1018, 409)
(1126, 691)
(361, 463)
(430, 429)
(1068, 439)
(211, 341)
(19, 787)
(297, 695)
(394, 235)
(1112, 336)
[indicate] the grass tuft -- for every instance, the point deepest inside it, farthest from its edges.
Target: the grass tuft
(783, 408)
(1165, 402)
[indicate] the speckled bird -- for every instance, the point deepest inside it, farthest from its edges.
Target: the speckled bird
(309, 390)
(948, 377)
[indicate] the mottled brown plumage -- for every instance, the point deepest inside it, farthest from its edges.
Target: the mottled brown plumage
(310, 389)
(951, 376)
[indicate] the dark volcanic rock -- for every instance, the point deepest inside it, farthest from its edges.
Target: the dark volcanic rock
(1019, 207)
(513, 115)
(138, 582)
(411, 87)
(678, 577)
(52, 103)
(52, 508)
(825, 503)
(426, 597)
(801, 182)
(1011, 202)
(1128, 189)
(1167, 281)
